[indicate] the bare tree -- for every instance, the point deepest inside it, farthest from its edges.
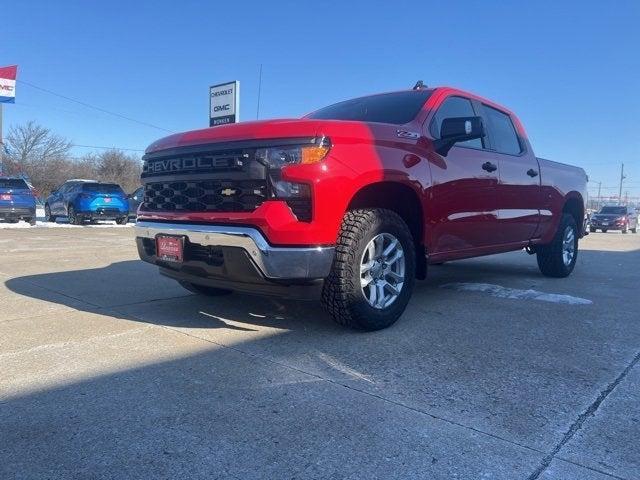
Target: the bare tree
(118, 167)
(36, 152)
(44, 157)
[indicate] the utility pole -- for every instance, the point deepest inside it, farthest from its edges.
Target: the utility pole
(259, 89)
(622, 177)
(599, 189)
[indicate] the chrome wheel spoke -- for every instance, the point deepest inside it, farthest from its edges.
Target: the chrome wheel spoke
(382, 270)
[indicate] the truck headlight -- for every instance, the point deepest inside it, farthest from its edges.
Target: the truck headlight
(279, 157)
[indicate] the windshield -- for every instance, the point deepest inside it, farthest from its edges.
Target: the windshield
(13, 184)
(613, 210)
(397, 108)
(110, 188)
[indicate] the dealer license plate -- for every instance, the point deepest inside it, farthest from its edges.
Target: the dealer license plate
(170, 248)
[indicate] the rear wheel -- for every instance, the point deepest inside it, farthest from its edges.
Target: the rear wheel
(592, 230)
(624, 229)
(373, 272)
(32, 221)
(634, 230)
(47, 214)
(604, 230)
(74, 219)
(122, 220)
(204, 290)
(558, 258)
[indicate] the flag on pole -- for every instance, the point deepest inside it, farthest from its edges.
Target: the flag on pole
(8, 84)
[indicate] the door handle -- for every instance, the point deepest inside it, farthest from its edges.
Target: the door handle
(489, 167)
(532, 173)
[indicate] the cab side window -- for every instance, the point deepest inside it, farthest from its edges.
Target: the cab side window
(454, 107)
(504, 138)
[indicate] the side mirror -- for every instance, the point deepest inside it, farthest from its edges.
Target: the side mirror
(458, 129)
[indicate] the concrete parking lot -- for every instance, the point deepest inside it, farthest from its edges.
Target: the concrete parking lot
(108, 370)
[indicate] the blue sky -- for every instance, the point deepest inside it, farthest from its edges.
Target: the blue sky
(570, 70)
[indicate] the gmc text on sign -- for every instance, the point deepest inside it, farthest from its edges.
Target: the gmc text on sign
(224, 102)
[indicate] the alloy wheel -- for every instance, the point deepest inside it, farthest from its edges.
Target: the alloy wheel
(382, 270)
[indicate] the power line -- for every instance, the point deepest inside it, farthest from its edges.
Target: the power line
(88, 105)
(108, 148)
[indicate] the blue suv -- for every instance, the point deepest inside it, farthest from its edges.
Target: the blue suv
(81, 200)
(17, 201)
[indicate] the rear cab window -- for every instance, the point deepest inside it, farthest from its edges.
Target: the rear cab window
(105, 188)
(396, 108)
(504, 138)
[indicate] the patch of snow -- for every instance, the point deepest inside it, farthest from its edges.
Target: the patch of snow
(514, 293)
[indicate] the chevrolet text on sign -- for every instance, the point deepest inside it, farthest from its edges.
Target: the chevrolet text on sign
(224, 103)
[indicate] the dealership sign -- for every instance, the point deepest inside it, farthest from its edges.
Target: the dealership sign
(8, 84)
(224, 103)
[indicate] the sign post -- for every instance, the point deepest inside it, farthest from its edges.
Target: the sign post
(224, 103)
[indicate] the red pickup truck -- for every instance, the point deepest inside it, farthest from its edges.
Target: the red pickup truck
(356, 199)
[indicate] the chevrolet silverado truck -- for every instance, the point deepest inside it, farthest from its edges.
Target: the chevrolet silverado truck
(356, 200)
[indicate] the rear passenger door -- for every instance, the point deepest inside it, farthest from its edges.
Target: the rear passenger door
(461, 210)
(518, 190)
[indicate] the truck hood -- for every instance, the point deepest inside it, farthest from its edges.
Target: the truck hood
(270, 129)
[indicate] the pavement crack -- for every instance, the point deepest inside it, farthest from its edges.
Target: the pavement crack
(577, 424)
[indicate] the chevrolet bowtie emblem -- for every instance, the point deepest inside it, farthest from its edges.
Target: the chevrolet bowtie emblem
(228, 192)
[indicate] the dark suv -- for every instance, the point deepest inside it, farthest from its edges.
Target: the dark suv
(615, 217)
(17, 201)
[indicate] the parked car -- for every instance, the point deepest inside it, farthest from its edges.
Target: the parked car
(17, 201)
(135, 199)
(356, 198)
(82, 200)
(615, 217)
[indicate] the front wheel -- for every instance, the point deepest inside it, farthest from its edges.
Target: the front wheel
(634, 230)
(558, 258)
(47, 214)
(604, 230)
(122, 220)
(592, 230)
(373, 271)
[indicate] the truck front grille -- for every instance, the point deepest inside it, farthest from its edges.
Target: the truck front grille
(205, 195)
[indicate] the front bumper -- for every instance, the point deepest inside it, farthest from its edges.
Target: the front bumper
(611, 226)
(271, 263)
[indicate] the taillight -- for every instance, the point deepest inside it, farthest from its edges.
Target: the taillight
(5, 196)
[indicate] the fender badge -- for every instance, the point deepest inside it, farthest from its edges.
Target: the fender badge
(407, 134)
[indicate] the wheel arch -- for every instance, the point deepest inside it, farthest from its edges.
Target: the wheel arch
(403, 200)
(574, 206)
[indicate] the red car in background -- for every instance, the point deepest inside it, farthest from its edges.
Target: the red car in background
(357, 198)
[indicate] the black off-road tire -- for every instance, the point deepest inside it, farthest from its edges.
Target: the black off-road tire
(122, 220)
(204, 290)
(342, 294)
(550, 259)
(47, 214)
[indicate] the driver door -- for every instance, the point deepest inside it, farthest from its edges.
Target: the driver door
(462, 206)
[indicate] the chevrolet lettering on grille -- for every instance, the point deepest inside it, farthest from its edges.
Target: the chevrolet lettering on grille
(190, 164)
